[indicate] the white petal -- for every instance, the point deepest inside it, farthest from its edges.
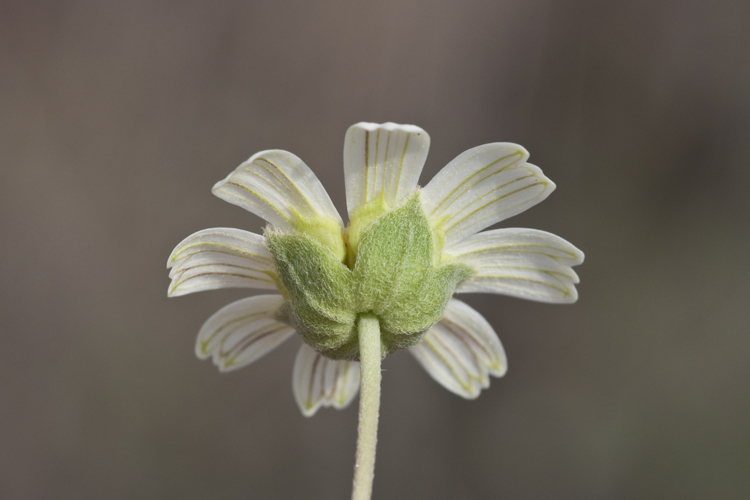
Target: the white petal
(482, 186)
(319, 381)
(277, 186)
(220, 258)
(242, 332)
(382, 159)
(524, 263)
(461, 351)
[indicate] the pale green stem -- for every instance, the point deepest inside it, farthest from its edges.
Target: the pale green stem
(370, 356)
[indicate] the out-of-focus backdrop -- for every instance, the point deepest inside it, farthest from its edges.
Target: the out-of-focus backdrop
(116, 118)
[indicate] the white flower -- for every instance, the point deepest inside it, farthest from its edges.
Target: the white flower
(382, 164)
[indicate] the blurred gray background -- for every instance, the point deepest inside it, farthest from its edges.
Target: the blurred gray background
(116, 118)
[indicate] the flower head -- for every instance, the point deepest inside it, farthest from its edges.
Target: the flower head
(402, 256)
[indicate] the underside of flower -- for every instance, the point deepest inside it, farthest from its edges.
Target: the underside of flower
(399, 260)
(385, 282)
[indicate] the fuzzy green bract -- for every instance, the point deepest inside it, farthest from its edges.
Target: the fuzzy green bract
(395, 275)
(319, 292)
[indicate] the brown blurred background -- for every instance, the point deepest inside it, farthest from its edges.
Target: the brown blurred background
(116, 118)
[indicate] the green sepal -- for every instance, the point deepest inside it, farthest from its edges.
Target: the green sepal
(394, 254)
(361, 219)
(394, 275)
(407, 318)
(318, 288)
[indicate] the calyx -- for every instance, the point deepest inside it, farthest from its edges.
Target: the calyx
(396, 273)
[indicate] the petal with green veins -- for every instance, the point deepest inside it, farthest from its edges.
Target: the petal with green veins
(525, 263)
(242, 332)
(220, 258)
(382, 160)
(319, 381)
(461, 351)
(482, 186)
(277, 186)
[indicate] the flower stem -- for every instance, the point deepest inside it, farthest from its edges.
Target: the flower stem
(370, 356)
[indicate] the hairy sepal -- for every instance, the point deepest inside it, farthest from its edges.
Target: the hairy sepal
(395, 276)
(318, 289)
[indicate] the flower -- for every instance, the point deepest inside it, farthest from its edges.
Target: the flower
(404, 253)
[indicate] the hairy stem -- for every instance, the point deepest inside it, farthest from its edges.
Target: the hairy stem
(370, 356)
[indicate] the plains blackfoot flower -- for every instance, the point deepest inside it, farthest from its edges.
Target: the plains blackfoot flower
(394, 267)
